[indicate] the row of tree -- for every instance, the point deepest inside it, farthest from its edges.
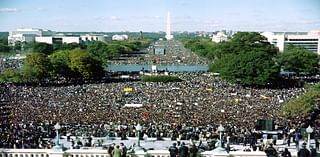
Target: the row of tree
(69, 60)
(249, 59)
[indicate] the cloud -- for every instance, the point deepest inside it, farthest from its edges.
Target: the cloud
(182, 3)
(114, 18)
(8, 10)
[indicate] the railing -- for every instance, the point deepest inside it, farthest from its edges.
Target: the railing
(86, 153)
(104, 153)
(24, 153)
(158, 153)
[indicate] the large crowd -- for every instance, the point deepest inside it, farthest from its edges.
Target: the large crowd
(174, 54)
(6, 63)
(192, 108)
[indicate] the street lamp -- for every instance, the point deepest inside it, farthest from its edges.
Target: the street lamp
(309, 131)
(138, 127)
(138, 148)
(57, 146)
(220, 148)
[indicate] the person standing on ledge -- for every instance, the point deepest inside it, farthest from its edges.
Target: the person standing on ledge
(304, 152)
(173, 150)
(183, 150)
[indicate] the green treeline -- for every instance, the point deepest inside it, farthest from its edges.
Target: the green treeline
(84, 60)
(303, 104)
(248, 59)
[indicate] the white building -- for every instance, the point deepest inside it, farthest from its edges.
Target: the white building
(220, 37)
(308, 40)
(27, 35)
(57, 39)
(88, 37)
(120, 37)
(69, 39)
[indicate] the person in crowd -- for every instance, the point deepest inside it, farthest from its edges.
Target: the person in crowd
(317, 144)
(271, 151)
(173, 150)
(286, 153)
(123, 150)
(193, 150)
(116, 152)
(183, 150)
(313, 151)
(228, 148)
(304, 152)
(111, 148)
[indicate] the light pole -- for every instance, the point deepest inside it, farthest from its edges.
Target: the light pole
(138, 127)
(57, 146)
(138, 148)
(309, 131)
(220, 148)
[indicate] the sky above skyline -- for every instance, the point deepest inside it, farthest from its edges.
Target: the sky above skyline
(150, 15)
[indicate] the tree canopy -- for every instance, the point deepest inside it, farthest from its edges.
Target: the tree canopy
(44, 48)
(298, 59)
(202, 47)
(84, 60)
(59, 61)
(302, 104)
(36, 67)
(247, 59)
(85, 65)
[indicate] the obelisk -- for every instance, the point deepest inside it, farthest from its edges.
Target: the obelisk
(168, 29)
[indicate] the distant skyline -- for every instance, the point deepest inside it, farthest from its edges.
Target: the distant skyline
(150, 15)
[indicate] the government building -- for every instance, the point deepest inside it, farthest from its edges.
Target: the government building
(308, 40)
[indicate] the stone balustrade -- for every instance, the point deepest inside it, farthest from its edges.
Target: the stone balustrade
(104, 153)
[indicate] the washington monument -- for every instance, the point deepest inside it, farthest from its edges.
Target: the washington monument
(168, 29)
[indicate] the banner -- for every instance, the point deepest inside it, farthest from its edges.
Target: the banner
(128, 89)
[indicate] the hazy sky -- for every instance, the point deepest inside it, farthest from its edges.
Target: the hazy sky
(150, 15)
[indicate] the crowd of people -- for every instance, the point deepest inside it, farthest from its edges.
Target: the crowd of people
(171, 53)
(192, 108)
(6, 63)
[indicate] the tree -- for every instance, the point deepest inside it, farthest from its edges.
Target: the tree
(246, 59)
(59, 61)
(201, 47)
(297, 59)
(4, 48)
(114, 50)
(84, 64)
(97, 48)
(302, 104)
(36, 67)
(10, 75)
(44, 48)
